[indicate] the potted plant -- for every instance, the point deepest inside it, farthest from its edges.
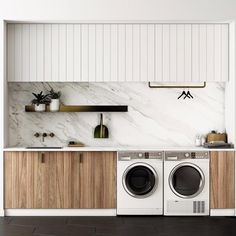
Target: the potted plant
(40, 101)
(55, 100)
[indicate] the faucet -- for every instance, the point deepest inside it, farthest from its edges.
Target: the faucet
(44, 135)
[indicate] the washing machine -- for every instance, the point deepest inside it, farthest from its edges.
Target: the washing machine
(140, 183)
(186, 183)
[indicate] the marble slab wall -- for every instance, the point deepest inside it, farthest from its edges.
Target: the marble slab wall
(155, 116)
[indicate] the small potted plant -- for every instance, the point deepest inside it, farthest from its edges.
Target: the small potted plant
(40, 101)
(55, 100)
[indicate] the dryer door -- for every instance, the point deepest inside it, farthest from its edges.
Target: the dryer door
(140, 180)
(186, 180)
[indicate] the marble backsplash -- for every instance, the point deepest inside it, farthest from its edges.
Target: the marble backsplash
(155, 116)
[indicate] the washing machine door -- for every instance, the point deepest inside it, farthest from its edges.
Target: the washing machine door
(140, 180)
(186, 180)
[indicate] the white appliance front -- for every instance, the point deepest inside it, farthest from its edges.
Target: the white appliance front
(132, 174)
(186, 184)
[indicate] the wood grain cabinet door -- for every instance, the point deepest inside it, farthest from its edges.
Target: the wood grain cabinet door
(37, 180)
(222, 180)
(50, 180)
(19, 179)
(97, 180)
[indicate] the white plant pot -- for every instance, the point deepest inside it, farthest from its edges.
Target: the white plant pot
(54, 105)
(40, 107)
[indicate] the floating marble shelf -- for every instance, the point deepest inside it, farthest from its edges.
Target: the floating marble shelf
(84, 108)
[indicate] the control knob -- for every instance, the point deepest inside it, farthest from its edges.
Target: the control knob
(187, 155)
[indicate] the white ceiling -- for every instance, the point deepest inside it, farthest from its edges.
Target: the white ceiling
(118, 9)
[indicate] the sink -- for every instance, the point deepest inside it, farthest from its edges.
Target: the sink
(43, 147)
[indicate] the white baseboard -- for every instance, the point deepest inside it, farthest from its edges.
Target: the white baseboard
(60, 212)
(87, 212)
(222, 212)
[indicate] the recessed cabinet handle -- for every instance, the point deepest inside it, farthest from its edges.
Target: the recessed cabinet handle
(42, 157)
(80, 158)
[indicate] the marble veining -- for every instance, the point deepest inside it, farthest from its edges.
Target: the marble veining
(155, 116)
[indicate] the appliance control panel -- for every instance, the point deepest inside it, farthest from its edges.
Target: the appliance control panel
(128, 156)
(175, 156)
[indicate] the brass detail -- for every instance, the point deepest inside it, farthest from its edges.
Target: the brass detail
(84, 108)
(213, 137)
(176, 86)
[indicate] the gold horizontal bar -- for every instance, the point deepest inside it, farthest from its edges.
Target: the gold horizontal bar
(177, 86)
(84, 108)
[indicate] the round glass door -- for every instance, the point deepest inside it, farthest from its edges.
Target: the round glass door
(140, 180)
(186, 180)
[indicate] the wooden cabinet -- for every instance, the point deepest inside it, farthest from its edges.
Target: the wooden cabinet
(93, 182)
(107, 52)
(97, 180)
(35, 179)
(19, 179)
(60, 180)
(222, 166)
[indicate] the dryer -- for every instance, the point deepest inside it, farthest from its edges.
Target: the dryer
(186, 183)
(140, 183)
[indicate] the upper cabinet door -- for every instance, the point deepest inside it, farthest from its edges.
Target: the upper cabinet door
(118, 52)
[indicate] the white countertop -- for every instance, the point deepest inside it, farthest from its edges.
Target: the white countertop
(116, 149)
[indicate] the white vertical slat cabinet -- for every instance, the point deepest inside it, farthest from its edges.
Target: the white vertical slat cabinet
(33, 52)
(99, 57)
(121, 70)
(210, 46)
(62, 44)
(195, 53)
(107, 52)
(151, 52)
(203, 55)
(114, 53)
(187, 53)
(166, 53)
(92, 52)
(85, 52)
(77, 56)
(48, 52)
(224, 52)
(173, 53)
(18, 53)
(129, 52)
(55, 53)
(25, 52)
(136, 52)
(180, 61)
(70, 53)
(11, 52)
(40, 51)
(159, 53)
(143, 52)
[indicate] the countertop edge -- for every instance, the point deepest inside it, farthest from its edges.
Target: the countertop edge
(116, 149)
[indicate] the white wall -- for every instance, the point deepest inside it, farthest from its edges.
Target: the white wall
(118, 9)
